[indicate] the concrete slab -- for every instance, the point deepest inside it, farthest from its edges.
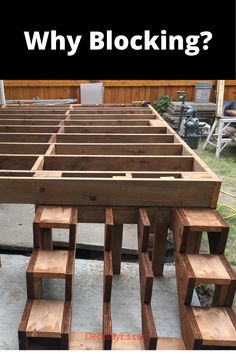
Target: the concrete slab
(16, 230)
(87, 303)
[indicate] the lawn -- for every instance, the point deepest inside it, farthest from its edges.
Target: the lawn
(225, 168)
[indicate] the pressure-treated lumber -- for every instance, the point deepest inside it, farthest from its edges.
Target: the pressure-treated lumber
(214, 326)
(117, 236)
(143, 230)
(78, 141)
(50, 264)
(204, 327)
(146, 277)
(162, 222)
(108, 274)
(149, 333)
(107, 279)
(207, 269)
(107, 326)
(48, 217)
(45, 319)
(189, 225)
(113, 149)
(148, 327)
(56, 217)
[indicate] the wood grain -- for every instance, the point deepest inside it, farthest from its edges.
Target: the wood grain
(216, 326)
(209, 269)
(45, 319)
(55, 217)
(51, 264)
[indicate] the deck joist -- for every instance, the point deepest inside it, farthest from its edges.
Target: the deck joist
(105, 155)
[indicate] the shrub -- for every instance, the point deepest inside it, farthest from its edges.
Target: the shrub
(162, 103)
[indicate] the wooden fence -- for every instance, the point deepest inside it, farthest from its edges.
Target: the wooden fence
(116, 91)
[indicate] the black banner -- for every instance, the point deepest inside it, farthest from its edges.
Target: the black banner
(174, 40)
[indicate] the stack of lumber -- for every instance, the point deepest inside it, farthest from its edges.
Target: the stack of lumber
(205, 112)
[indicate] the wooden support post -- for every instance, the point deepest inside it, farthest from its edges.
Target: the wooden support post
(146, 282)
(66, 325)
(160, 241)
(148, 328)
(35, 291)
(146, 277)
(23, 340)
(107, 279)
(109, 225)
(117, 236)
(220, 97)
(218, 240)
(46, 239)
(107, 326)
(193, 242)
(42, 238)
(220, 295)
(143, 230)
(108, 274)
(69, 277)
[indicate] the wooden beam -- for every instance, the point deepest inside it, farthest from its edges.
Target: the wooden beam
(129, 192)
(108, 116)
(109, 224)
(117, 236)
(146, 277)
(116, 149)
(148, 328)
(18, 162)
(220, 97)
(23, 148)
(108, 274)
(112, 111)
(31, 121)
(35, 116)
(112, 138)
(122, 163)
(22, 137)
(111, 130)
(102, 122)
(162, 223)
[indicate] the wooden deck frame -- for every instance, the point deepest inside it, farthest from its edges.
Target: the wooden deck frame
(94, 157)
(67, 150)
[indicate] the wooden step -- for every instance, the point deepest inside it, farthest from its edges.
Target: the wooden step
(210, 268)
(210, 327)
(49, 217)
(207, 269)
(45, 319)
(50, 264)
(56, 217)
(191, 222)
(202, 219)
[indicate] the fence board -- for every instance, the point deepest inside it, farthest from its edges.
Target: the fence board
(116, 91)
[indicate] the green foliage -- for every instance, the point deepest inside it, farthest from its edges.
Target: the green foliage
(224, 167)
(162, 103)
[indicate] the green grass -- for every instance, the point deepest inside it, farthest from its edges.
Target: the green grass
(225, 168)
